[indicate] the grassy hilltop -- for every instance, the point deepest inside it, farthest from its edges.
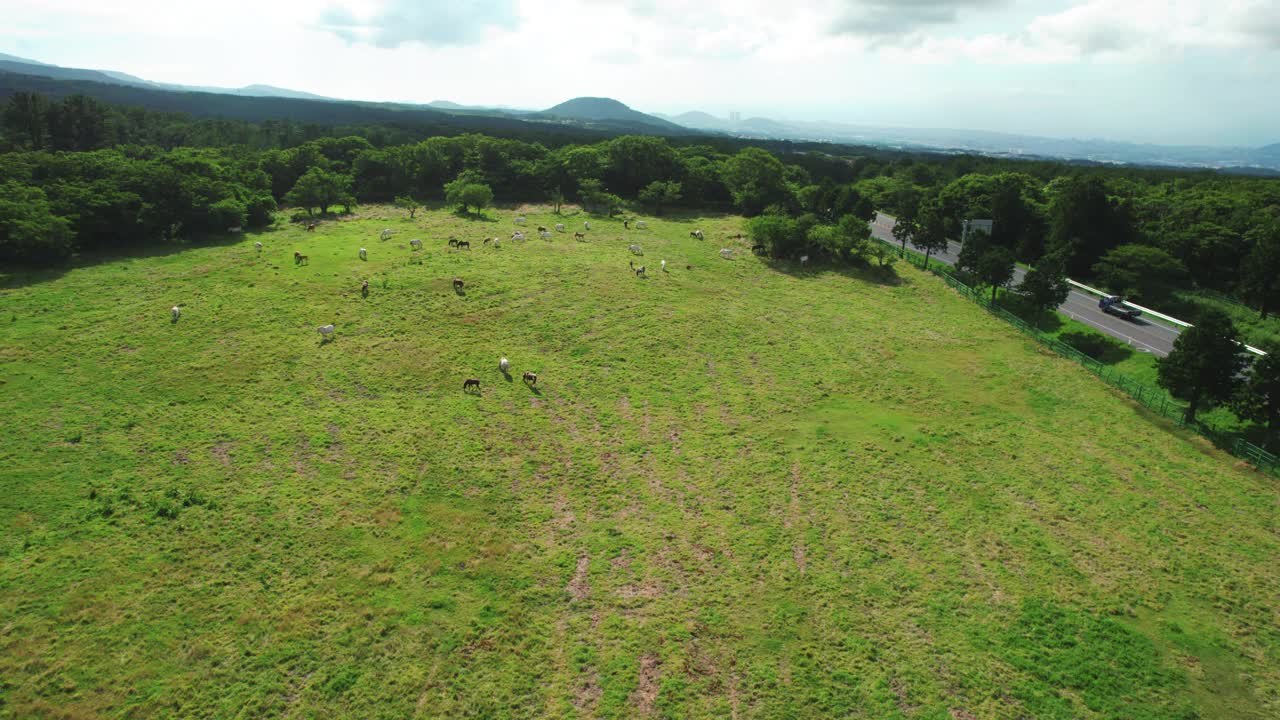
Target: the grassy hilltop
(738, 490)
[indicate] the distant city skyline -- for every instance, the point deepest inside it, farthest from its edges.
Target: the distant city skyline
(1178, 72)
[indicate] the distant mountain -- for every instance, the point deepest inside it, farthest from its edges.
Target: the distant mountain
(446, 105)
(61, 73)
(702, 121)
(16, 64)
(607, 113)
(15, 58)
(995, 144)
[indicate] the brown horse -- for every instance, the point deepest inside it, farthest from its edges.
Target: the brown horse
(364, 289)
(300, 259)
(453, 242)
(470, 383)
(531, 378)
(311, 226)
(464, 244)
(579, 236)
(457, 284)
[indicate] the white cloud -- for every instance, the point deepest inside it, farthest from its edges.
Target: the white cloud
(434, 23)
(880, 19)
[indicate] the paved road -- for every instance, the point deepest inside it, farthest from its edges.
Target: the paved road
(1142, 335)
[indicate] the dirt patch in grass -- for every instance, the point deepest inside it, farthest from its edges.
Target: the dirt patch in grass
(646, 692)
(579, 587)
(222, 451)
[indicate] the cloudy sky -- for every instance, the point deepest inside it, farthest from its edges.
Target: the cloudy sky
(1164, 71)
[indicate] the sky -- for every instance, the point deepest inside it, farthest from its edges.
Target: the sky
(1203, 72)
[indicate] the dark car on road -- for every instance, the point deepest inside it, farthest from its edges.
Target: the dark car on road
(1114, 305)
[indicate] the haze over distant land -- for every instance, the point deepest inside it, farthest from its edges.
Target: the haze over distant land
(1172, 72)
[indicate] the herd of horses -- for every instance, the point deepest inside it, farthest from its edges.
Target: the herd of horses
(472, 385)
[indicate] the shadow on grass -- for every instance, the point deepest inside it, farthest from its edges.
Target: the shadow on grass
(25, 276)
(1103, 349)
(476, 217)
(1044, 320)
(878, 274)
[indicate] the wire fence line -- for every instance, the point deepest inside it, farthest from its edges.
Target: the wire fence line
(1153, 398)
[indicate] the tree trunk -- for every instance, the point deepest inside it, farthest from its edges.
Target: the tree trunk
(994, 288)
(324, 209)
(926, 258)
(1192, 406)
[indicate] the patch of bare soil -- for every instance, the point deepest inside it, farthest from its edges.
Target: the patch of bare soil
(222, 451)
(646, 691)
(580, 585)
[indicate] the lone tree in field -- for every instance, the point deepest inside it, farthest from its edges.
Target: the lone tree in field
(660, 194)
(1045, 287)
(319, 188)
(408, 203)
(556, 195)
(1260, 273)
(1259, 397)
(1204, 363)
(468, 191)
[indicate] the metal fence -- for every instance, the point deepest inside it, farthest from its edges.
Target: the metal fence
(1153, 398)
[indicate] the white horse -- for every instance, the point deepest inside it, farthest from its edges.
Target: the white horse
(364, 254)
(503, 364)
(325, 331)
(416, 243)
(175, 311)
(385, 234)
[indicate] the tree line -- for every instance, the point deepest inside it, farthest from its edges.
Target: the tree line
(79, 174)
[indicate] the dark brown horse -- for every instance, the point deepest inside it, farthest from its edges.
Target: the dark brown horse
(464, 244)
(531, 378)
(453, 242)
(457, 284)
(364, 289)
(300, 259)
(470, 383)
(311, 226)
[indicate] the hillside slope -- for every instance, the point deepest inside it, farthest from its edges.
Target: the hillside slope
(737, 488)
(609, 113)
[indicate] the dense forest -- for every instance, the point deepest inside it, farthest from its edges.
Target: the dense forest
(80, 175)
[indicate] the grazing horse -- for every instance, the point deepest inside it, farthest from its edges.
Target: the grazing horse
(364, 289)
(639, 271)
(531, 378)
(470, 383)
(311, 226)
(464, 244)
(626, 224)
(458, 284)
(542, 228)
(300, 259)
(579, 236)
(487, 241)
(453, 242)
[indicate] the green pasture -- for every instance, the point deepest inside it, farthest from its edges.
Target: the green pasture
(738, 490)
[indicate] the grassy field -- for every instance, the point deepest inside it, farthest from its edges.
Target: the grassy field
(738, 490)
